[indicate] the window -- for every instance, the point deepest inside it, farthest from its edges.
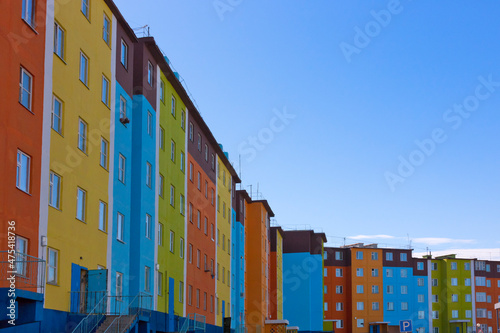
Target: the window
(172, 195)
(467, 266)
(434, 282)
(420, 298)
(84, 68)
(375, 271)
(161, 186)
(198, 298)
(58, 40)
(56, 115)
(375, 306)
(147, 271)
(150, 73)
(420, 282)
(421, 314)
(25, 89)
(199, 220)
(375, 289)
(339, 289)
(325, 306)
(103, 209)
(404, 273)
(338, 272)
(340, 324)
(435, 315)
(205, 227)
(103, 161)
(124, 54)
(374, 255)
(359, 271)
(488, 283)
(160, 283)
(149, 124)
(120, 227)
(23, 171)
(390, 289)
(480, 297)
(54, 190)
(182, 205)
(148, 226)
(206, 189)
(435, 299)
(181, 248)
(468, 298)
(325, 289)
(420, 266)
(172, 241)
(454, 297)
(468, 313)
(339, 255)
(191, 171)
(388, 256)
(388, 272)
(148, 174)
(198, 258)
(182, 161)
(119, 286)
(434, 266)
(172, 106)
(403, 256)
(82, 135)
(199, 181)
(360, 289)
(160, 234)
(105, 91)
(213, 162)
(212, 197)
(191, 131)
(360, 305)
(206, 158)
(172, 150)
(212, 232)
(52, 261)
(390, 306)
(404, 306)
(404, 290)
(454, 281)
(29, 12)
(480, 281)
(339, 306)
(190, 253)
(85, 8)
(359, 255)
(199, 142)
(454, 266)
(81, 197)
(22, 251)
(121, 168)
(481, 313)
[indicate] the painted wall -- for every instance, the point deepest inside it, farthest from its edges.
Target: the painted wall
(66, 233)
(171, 211)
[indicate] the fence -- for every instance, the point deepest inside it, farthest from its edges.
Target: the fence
(22, 270)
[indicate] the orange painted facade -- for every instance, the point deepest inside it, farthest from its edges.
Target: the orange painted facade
(257, 275)
(22, 42)
(338, 290)
(200, 279)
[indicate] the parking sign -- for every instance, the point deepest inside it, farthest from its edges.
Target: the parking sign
(405, 326)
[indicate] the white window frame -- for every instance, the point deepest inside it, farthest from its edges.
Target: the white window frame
(81, 206)
(147, 224)
(59, 34)
(103, 157)
(23, 171)
(120, 227)
(106, 33)
(52, 265)
(103, 214)
(122, 165)
(124, 54)
(82, 135)
(105, 90)
(54, 190)
(84, 69)
(26, 90)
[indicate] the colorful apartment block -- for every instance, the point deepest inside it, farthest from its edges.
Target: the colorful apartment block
(276, 273)
(303, 279)
(487, 293)
(257, 264)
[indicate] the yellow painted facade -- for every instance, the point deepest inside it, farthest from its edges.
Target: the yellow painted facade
(224, 185)
(79, 242)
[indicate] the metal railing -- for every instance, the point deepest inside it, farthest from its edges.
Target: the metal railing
(83, 302)
(193, 323)
(95, 316)
(22, 270)
(140, 305)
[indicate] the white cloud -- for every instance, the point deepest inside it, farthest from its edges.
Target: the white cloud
(440, 241)
(361, 237)
(483, 254)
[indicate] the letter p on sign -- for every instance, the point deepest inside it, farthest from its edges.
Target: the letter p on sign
(405, 326)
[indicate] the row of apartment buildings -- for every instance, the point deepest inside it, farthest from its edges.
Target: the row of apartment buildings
(118, 197)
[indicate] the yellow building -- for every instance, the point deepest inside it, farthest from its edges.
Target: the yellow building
(79, 149)
(223, 272)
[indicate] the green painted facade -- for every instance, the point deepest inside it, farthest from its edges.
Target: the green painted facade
(172, 202)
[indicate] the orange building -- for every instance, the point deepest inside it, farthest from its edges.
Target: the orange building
(257, 272)
(22, 41)
(337, 289)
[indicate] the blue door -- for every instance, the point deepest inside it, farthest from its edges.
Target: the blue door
(78, 288)
(97, 283)
(171, 314)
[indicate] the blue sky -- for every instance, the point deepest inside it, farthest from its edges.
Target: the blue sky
(377, 121)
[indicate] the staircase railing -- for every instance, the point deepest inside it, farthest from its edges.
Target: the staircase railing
(92, 320)
(139, 306)
(193, 322)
